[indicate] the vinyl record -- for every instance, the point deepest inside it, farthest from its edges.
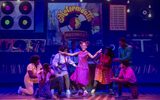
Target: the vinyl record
(7, 7)
(25, 22)
(7, 22)
(25, 7)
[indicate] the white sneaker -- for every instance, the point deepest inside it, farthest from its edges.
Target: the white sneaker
(85, 93)
(19, 90)
(52, 91)
(68, 93)
(93, 91)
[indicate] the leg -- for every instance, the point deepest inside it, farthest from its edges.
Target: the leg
(134, 91)
(29, 88)
(94, 87)
(95, 84)
(111, 89)
(67, 81)
(120, 88)
(60, 85)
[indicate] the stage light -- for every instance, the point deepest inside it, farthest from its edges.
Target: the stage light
(108, 0)
(149, 15)
(149, 6)
(81, 0)
(128, 1)
(128, 10)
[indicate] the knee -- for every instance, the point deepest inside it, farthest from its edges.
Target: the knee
(30, 91)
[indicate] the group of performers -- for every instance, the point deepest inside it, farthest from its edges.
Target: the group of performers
(56, 75)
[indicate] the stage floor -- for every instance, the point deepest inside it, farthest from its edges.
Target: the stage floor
(146, 93)
(8, 96)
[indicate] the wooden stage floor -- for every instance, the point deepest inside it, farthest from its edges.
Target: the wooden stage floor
(152, 93)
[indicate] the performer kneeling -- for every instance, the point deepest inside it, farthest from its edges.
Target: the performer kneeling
(127, 78)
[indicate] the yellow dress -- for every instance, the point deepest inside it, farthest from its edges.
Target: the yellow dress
(103, 73)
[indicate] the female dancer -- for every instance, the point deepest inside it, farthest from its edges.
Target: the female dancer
(103, 72)
(81, 74)
(44, 82)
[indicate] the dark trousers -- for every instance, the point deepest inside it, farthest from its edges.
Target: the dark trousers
(44, 91)
(58, 82)
(133, 87)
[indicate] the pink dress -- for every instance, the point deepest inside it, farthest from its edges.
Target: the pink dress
(81, 74)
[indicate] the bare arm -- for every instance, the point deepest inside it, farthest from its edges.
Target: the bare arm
(119, 80)
(31, 75)
(69, 54)
(71, 62)
(93, 56)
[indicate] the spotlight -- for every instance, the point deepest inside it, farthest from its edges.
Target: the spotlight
(128, 10)
(149, 6)
(81, 0)
(128, 1)
(149, 15)
(108, 0)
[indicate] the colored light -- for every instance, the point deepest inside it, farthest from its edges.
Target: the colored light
(25, 22)
(7, 22)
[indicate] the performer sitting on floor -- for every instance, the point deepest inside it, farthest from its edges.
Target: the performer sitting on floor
(127, 78)
(81, 74)
(44, 82)
(31, 76)
(103, 71)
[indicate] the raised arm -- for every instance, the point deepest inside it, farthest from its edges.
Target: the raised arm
(69, 54)
(93, 56)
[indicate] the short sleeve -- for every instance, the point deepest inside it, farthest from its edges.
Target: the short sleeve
(30, 67)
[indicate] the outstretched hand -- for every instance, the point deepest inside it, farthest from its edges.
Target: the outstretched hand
(114, 79)
(63, 53)
(99, 51)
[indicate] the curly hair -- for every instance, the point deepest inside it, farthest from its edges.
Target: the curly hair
(63, 48)
(34, 58)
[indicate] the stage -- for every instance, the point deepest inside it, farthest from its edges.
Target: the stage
(145, 93)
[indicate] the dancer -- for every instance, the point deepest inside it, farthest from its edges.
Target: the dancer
(31, 76)
(124, 52)
(127, 78)
(44, 82)
(103, 71)
(81, 74)
(59, 63)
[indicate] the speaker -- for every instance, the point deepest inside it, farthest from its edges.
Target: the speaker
(17, 15)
